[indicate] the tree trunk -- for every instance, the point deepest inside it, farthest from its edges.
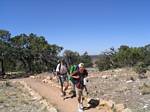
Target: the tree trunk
(2, 67)
(29, 66)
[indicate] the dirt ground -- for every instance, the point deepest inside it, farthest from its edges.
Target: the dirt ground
(14, 98)
(52, 95)
(122, 86)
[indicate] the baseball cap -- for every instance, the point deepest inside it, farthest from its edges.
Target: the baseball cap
(81, 65)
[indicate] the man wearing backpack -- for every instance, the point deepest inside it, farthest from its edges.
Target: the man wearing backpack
(61, 71)
(79, 77)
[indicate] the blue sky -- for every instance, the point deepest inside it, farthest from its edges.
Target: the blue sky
(80, 25)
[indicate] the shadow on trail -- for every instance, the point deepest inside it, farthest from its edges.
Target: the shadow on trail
(68, 97)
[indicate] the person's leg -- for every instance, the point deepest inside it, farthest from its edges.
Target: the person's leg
(61, 85)
(66, 83)
(79, 99)
(73, 91)
(84, 85)
(80, 102)
(86, 89)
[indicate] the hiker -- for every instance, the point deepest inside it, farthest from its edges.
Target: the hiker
(61, 71)
(73, 68)
(79, 77)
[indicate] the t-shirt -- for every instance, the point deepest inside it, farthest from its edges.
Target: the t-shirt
(62, 69)
(80, 80)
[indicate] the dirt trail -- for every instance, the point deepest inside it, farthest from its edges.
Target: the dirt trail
(52, 94)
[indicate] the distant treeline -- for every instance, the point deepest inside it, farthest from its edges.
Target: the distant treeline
(33, 54)
(124, 56)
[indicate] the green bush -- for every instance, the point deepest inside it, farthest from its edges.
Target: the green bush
(140, 68)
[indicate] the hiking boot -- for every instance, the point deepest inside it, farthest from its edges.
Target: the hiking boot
(80, 110)
(87, 93)
(63, 94)
(80, 106)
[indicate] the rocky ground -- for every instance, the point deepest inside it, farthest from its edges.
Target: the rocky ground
(15, 98)
(122, 86)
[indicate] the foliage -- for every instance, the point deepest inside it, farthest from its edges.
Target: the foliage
(140, 68)
(107, 60)
(125, 56)
(33, 54)
(4, 48)
(29, 53)
(86, 59)
(71, 57)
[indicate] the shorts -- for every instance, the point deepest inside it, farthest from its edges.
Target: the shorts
(79, 88)
(85, 81)
(63, 78)
(72, 80)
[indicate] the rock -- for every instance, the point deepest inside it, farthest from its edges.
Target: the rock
(119, 107)
(132, 78)
(127, 110)
(118, 70)
(122, 89)
(1, 106)
(115, 75)
(52, 109)
(39, 77)
(145, 106)
(105, 77)
(49, 82)
(142, 76)
(129, 81)
(145, 89)
(43, 108)
(109, 103)
(105, 110)
(88, 99)
(44, 81)
(49, 78)
(55, 80)
(33, 77)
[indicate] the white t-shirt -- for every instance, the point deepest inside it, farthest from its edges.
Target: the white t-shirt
(63, 69)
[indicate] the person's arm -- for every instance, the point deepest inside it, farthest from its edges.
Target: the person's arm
(75, 75)
(57, 69)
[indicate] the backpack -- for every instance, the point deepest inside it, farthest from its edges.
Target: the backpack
(73, 68)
